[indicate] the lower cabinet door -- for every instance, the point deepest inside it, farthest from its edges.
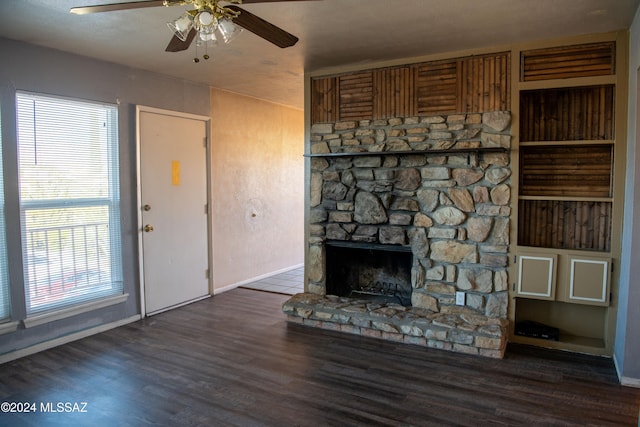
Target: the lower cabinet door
(588, 280)
(537, 275)
(566, 276)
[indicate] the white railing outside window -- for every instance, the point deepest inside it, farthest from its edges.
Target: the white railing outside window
(69, 201)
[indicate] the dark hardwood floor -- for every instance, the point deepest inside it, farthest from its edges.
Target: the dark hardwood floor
(232, 360)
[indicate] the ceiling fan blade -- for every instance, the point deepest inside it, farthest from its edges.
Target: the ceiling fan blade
(262, 28)
(177, 45)
(83, 10)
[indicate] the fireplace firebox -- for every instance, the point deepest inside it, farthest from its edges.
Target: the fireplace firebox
(379, 273)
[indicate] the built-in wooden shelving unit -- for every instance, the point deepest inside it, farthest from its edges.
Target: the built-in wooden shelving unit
(566, 169)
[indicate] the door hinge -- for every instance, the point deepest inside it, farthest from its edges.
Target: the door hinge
(206, 208)
(204, 141)
(206, 273)
(612, 266)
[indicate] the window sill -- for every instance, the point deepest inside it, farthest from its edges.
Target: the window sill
(8, 327)
(40, 319)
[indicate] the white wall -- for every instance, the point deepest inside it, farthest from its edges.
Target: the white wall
(257, 188)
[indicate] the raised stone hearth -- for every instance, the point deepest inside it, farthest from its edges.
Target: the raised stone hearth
(425, 185)
(465, 332)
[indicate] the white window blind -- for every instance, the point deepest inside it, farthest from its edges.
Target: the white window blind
(5, 306)
(69, 200)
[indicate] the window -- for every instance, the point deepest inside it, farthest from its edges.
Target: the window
(5, 307)
(69, 201)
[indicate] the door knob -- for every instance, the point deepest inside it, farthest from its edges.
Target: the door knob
(148, 228)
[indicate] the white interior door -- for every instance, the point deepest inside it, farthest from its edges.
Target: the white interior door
(173, 215)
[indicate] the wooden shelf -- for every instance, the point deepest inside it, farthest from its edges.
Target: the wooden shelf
(566, 342)
(568, 198)
(413, 152)
(567, 143)
(566, 83)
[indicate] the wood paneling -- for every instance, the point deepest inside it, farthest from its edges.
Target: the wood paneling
(567, 114)
(469, 84)
(594, 59)
(565, 224)
(394, 93)
(356, 96)
(324, 100)
(567, 171)
(232, 360)
(484, 83)
(437, 88)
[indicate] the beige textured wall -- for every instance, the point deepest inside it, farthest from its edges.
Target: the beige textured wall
(257, 173)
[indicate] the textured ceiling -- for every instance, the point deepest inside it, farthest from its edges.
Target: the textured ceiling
(332, 33)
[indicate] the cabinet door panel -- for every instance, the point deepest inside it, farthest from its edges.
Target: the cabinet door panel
(589, 280)
(537, 276)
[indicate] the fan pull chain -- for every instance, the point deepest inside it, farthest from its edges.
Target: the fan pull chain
(206, 54)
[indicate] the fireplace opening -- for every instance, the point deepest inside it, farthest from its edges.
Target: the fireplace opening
(380, 273)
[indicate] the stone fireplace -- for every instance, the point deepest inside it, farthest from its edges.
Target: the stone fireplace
(417, 205)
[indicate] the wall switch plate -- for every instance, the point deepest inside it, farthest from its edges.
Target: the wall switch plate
(460, 297)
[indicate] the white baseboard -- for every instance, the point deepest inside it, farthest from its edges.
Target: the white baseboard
(255, 279)
(626, 381)
(630, 382)
(615, 365)
(13, 355)
(182, 304)
(226, 288)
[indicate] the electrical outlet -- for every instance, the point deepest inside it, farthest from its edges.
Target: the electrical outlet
(460, 297)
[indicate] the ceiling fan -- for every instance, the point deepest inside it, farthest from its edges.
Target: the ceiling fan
(204, 20)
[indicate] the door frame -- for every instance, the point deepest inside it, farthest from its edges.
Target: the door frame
(207, 121)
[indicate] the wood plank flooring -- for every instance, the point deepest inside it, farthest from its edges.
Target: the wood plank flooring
(232, 360)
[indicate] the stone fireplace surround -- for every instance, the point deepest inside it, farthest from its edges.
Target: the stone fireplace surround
(438, 185)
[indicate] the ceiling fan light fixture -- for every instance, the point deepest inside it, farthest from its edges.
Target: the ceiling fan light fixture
(205, 18)
(181, 26)
(209, 37)
(228, 30)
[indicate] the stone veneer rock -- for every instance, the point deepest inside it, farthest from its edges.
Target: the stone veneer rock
(452, 209)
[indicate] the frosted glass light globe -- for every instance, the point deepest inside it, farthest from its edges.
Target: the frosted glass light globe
(205, 18)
